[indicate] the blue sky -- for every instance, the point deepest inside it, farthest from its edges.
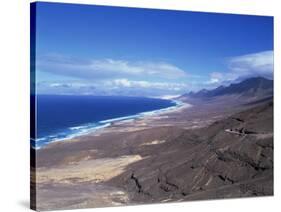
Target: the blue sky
(86, 49)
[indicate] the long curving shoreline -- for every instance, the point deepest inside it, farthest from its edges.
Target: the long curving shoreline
(104, 125)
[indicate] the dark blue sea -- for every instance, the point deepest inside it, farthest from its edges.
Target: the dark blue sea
(64, 116)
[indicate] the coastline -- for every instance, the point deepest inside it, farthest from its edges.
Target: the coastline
(102, 168)
(93, 159)
(105, 125)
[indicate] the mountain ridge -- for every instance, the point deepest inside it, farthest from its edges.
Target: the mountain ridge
(251, 87)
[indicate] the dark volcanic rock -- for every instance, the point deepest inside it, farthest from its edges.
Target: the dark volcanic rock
(230, 158)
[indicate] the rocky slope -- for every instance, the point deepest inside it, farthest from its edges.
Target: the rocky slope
(230, 158)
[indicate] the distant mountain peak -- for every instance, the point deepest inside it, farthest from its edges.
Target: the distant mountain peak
(252, 87)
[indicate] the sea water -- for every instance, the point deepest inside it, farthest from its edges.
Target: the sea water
(64, 116)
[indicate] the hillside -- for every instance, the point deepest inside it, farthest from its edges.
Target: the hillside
(230, 158)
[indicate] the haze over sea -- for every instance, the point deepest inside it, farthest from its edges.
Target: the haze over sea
(65, 116)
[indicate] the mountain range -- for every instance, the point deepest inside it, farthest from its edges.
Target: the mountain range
(251, 87)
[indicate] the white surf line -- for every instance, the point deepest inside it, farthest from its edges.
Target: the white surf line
(107, 123)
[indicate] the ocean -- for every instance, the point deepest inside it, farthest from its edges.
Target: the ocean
(64, 116)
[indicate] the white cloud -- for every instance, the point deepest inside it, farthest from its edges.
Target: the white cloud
(66, 75)
(245, 66)
(215, 77)
(260, 63)
(146, 84)
(108, 68)
(120, 86)
(121, 82)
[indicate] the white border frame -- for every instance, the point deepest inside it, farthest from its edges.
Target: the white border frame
(14, 107)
